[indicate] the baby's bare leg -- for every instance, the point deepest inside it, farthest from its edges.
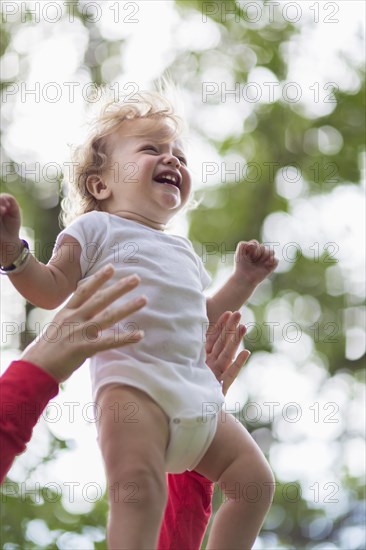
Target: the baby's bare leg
(133, 438)
(238, 465)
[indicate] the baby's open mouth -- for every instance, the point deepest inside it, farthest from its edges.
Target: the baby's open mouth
(169, 178)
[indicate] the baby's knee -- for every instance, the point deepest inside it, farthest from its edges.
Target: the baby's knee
(249, 479)
(139, 484)
(266, 481)
(260, 489)
(260, 474)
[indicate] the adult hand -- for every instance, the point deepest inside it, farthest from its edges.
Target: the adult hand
(222, 342)
(75, 332)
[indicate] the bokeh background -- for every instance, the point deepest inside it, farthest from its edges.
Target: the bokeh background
(274, 93)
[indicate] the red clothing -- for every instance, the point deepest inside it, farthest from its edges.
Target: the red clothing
(25, 390)
(187, 512)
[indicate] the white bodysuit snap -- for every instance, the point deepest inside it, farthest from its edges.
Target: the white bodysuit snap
(169, 362)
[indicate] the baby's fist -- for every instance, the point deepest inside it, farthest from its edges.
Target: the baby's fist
(254, 261)
(9, 229)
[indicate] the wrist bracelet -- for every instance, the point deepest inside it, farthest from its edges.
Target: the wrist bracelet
(19, 263)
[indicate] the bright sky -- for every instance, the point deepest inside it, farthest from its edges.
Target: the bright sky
(53, 53)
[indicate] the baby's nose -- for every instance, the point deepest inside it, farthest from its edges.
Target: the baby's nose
(172, 160)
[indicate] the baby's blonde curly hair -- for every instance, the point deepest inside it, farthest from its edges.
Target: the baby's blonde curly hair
(92, 157)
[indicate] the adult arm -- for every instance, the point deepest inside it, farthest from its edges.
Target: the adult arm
(27, 385)
(25, 390)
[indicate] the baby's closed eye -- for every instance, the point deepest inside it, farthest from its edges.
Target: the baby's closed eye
(182, 160)
(150, 148)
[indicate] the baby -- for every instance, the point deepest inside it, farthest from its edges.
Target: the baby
(158, 402)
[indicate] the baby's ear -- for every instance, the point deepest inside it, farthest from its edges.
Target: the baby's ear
(96, 187)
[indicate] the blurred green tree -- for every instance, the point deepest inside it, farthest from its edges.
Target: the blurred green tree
(275, 135)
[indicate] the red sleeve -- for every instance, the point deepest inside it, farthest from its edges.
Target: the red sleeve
(25, 390)
(187, 512)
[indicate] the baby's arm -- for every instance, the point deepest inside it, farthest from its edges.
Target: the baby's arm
(48, 286)
(253, 263)
(45, 286)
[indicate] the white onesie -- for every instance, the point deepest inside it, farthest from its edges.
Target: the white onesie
(169, 362)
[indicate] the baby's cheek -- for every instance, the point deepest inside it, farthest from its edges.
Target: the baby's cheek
(127, 174)
(188, 182)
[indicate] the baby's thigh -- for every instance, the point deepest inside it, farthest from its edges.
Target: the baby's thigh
(133, 430)
(233, 453)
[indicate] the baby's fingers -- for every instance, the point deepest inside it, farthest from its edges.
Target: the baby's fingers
(8, 205)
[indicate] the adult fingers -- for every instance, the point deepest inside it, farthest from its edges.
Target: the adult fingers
(213, 332)
(227, 354)
(106, 296)
(227, 330)
(111, 341)
(89, 287)
(232, 372)
(112, 315)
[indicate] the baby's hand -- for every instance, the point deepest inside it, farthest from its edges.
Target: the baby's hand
(10, 244)
(254, 262)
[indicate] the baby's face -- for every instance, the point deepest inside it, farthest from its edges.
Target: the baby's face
(148, 174)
